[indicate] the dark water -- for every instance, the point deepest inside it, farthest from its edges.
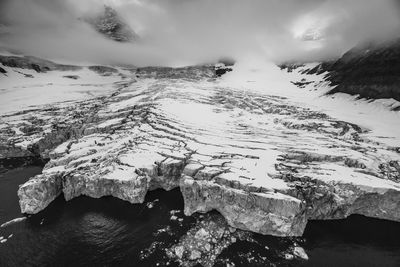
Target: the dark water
(111, 232)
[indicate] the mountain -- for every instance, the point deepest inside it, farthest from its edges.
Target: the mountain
(370, 70)
(112, 26)
(34, 63)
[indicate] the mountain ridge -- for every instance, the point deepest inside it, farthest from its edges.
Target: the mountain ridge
(110, 24)
(370, 70)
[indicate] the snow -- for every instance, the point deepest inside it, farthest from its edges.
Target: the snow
(140, 159)
(110, 123)
(18, 92)
(268, 78)
(300, 252)
(366, 182)
(245, 131)
(56, 169)
(122, 174)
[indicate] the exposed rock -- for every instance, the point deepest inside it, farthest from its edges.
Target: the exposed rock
(111, 25)
(221, 69)
(302, 83)
(289, 67)
(391, 170)
(103, 70)
(73, 77)
(37, 64)
(186, 73)
(369, 70)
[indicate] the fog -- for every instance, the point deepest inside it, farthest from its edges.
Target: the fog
(185, 32)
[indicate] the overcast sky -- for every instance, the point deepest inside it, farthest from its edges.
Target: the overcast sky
(182, 32)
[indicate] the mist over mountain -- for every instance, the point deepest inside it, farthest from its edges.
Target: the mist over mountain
(176, 32)
(108, 23)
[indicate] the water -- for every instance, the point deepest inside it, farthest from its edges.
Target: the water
(111, 232)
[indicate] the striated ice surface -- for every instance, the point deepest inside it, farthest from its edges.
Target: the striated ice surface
(267, 160)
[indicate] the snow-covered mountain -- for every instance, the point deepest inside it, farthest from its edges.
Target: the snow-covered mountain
(29, 82)
(370, 70)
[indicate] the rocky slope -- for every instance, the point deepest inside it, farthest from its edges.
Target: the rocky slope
(266, 163)
(370, 70)
(36, 64)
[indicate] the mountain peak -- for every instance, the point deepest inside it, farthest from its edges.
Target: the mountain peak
(110, 24)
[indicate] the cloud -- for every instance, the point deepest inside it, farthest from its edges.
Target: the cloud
(183, 32)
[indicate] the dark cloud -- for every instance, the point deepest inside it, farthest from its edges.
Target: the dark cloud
(177, 32)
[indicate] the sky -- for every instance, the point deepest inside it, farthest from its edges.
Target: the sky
(187, 32)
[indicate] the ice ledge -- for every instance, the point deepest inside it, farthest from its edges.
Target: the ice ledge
(270, 213)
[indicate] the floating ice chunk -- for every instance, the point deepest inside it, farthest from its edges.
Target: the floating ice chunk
(300, 252)
(13, 221)
(173, 212)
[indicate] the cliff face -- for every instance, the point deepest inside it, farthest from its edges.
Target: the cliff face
(39, 192)
(266, 163)
(370, 71)
(265, 213)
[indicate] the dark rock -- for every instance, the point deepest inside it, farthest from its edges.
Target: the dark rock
(103, 70)
(369, 70)
(17, 162)
(191, 72)
(391, 170)
(111, 25)
(33, 63)
(74, 77)
(303, 83)
(289, 67)
(221, 69)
